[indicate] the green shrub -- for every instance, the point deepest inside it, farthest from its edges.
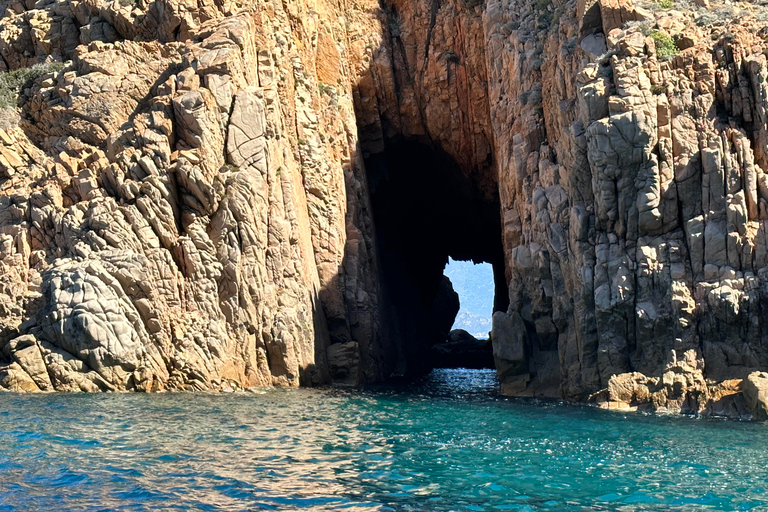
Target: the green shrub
(13, 82)
(323, 88)
(666, 4)
(665, 45)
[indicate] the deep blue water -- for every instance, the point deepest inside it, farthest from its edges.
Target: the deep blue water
(448, 443)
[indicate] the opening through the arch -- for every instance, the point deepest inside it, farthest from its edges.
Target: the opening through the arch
(426, 208)
(473, 282)
(468, 344)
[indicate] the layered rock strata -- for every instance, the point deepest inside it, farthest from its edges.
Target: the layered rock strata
(194, 200)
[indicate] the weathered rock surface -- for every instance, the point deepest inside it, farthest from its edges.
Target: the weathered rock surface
(187, 205)
(174, 206)
(632, 225)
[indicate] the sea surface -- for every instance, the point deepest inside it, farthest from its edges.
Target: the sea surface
(445, 443)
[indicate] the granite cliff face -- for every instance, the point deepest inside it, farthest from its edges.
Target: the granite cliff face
(216, 195)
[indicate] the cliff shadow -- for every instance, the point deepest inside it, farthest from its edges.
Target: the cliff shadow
(426, 209)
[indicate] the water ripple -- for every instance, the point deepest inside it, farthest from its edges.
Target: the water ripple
(448, 443)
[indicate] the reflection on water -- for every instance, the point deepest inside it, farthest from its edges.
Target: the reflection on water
(447, 443)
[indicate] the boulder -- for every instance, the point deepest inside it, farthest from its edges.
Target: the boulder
(445, 307)
(755, 389)
(462, 350)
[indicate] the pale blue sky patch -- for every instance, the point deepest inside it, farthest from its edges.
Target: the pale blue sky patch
(474, 284)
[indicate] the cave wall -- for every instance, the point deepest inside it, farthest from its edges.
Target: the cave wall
(193, 207)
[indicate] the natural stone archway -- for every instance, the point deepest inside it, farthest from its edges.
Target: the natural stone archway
(425, 209)
(201, 209)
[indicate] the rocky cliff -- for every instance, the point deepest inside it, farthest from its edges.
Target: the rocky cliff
(215, 195)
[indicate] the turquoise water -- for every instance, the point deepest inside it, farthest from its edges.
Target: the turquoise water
(448, 443)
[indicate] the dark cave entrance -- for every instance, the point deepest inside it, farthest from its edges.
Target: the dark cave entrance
(426, 209)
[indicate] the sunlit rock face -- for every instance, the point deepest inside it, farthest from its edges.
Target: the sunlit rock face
(224, 194)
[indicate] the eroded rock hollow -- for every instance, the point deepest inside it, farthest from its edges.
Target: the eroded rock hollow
(215, 195)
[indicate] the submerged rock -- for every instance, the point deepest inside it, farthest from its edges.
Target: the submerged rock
(462, 350)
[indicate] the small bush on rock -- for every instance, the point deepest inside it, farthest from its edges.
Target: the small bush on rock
(665, 45)
(12, 82)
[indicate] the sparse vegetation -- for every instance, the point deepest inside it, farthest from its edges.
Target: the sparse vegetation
(660, 5)
(13, 82)
(665, 45)
(645, 27)
(723, 13)
(558, 14)
(227, 168)
(545, 19)
(531, 97)
(471, 4)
